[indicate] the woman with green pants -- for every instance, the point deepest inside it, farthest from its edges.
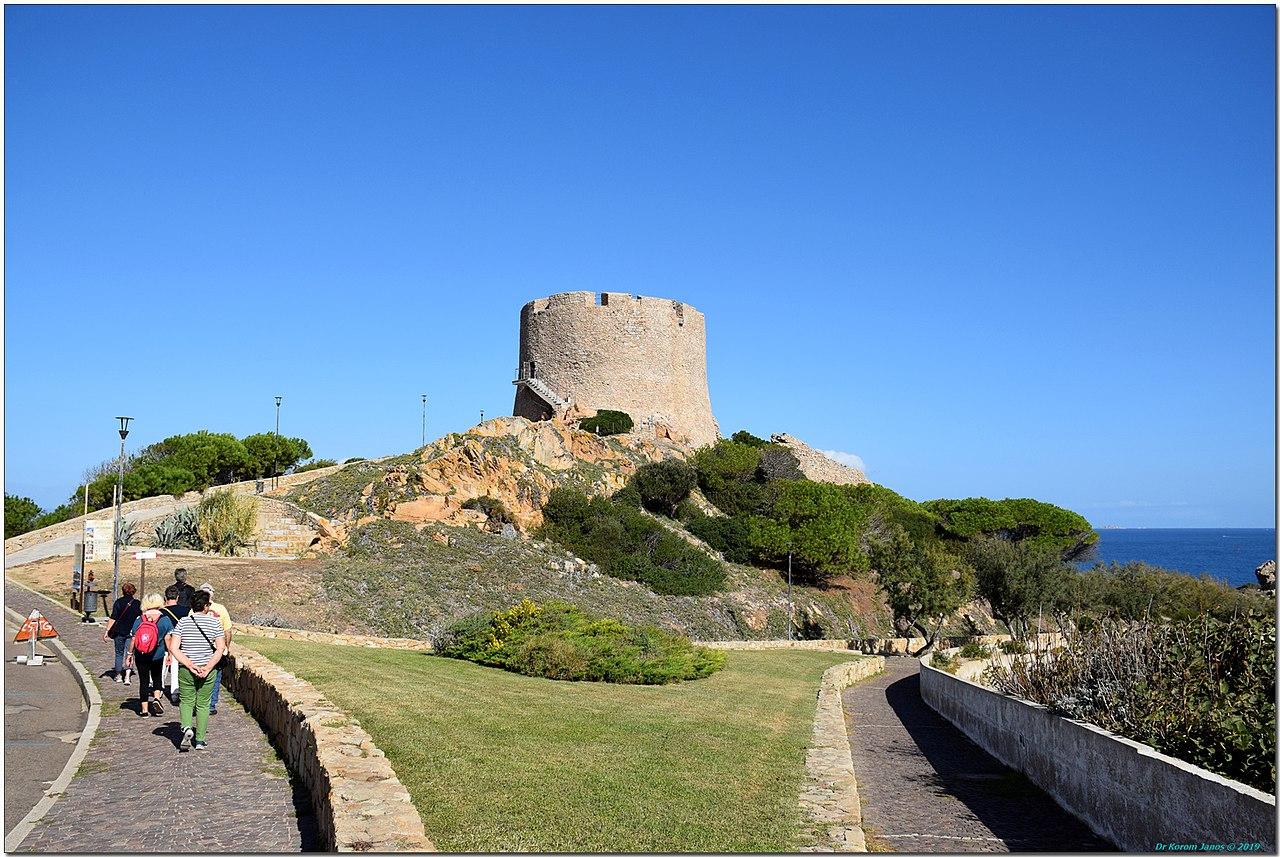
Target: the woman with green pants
(196, 643)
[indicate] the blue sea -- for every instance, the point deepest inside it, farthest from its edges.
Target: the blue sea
(1229, 555)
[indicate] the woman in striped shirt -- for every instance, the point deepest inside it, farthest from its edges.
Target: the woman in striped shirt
(197, 644)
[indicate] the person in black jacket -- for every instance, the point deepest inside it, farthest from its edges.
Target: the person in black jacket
(184, 589)
(120, 627)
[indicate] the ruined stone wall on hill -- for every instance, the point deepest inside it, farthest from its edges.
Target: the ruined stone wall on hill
(642, 355)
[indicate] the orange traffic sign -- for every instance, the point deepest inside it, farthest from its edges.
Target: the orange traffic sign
(39, 625)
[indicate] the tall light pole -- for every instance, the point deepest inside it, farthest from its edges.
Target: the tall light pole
(424, 419)
(275, 458)
(115, 575)
(482, 416)
(791, 604)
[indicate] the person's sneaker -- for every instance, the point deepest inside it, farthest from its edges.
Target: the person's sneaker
(213, 711)
(188, 735)
(116, 678)
(199, 745)
(126, 676)
(156, 708)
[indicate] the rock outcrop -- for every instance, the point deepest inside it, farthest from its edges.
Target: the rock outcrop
(510, 459)
(1266, 574)
(818, 467)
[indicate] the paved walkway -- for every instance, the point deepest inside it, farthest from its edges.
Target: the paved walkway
(927, 787)
(232, 797)
(44, 713)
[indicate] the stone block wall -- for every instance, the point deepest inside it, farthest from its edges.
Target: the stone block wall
(642, 355)
(360, 804)
(830, 795)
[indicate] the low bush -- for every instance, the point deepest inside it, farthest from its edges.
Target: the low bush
(1013, 647)
(354, 460)
(226, 522)
(607, 422)
(664, 485)
(559, 641)
(627, 544)
(1203, 691)
(729, 535)
(944, 661)
(492, 507)
(974, 651)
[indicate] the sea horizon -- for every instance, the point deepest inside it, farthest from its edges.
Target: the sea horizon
(1229, 554)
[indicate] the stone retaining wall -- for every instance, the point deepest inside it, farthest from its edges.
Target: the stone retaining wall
(360, 804)
(830, 795)
(361, 640)
(1125, 791)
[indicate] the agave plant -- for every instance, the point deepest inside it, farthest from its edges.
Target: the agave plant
(178, 531)
(125, 532)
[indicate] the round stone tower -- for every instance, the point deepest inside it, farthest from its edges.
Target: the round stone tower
(644, 356)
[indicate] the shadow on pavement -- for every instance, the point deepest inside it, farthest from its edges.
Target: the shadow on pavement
(1006, 802)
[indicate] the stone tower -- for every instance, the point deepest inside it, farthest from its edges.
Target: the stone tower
(644, 356)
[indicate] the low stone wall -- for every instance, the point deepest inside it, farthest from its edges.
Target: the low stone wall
(361, 640)
(830, 794)
(761, 645)
(1125, 791)
(360, 804)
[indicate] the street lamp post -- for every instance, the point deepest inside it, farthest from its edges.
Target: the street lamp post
(115, 575)
(424, 419)
(275, 458)
(791, 604)
(482, 416)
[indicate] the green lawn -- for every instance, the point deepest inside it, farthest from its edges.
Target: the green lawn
(497, 761)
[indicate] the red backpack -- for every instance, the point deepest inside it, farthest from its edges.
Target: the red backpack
(147, 636)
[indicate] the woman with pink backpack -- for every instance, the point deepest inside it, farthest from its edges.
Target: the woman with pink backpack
(147, 648)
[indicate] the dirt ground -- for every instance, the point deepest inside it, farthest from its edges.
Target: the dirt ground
(252, 589)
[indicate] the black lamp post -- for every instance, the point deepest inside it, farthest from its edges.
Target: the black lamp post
(115, 575)
(275, 458)
(424, 419)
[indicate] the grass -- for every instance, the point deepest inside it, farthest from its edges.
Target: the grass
(496, 761)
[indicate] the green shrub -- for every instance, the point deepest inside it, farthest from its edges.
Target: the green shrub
(777, 462)
(559, 641)
(269, 454)
(664, 485)
(748, 439)
(1136, 590)
(226, 522)
(492, 507)
(607, 422)
(1202, 690)
(729, 535)
(974, 651)
(315, 464)
(943, 661)
(627, 544)
(1013, 647)
(355, 459)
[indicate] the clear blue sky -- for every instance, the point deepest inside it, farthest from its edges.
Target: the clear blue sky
(1000, 251)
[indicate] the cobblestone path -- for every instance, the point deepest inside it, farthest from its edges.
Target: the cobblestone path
(135, 792)
(926, 787)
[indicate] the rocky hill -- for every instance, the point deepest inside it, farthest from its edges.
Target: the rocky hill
(508, 458)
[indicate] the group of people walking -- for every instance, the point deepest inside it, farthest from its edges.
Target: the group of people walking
(178, 640)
